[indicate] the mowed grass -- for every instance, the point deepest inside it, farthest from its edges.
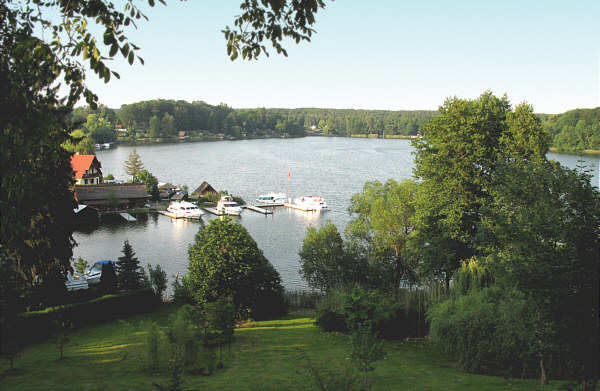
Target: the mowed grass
(265, 356)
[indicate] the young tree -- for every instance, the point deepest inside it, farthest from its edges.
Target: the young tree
(80, 265)
(366, 349)
(324, 263)
(129, 273)
(226, 262)
(158, 280)
(382, 223)
(133, 165)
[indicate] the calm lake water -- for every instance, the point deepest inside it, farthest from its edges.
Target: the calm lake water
(334, 168)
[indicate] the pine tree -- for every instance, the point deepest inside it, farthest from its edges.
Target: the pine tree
(133, 164)
(129, 272)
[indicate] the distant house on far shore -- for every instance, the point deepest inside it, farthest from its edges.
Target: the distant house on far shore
(87, 169)
(203, 190)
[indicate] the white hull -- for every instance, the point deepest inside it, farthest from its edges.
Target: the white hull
(183, 209)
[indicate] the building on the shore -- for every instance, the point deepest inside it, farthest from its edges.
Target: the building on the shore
(106, 196)
(87, 170)
(203, 190)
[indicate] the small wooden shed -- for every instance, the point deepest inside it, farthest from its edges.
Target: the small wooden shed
(203, 190)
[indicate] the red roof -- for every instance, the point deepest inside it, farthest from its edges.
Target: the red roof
(80, 163)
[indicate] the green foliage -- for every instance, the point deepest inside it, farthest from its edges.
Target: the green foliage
(382, 224)
(109, 177)
(366, 349)
(151, 182)
(488, 330)
(324, 264)
(328, 377)
(226, 262)
(152, 354)
(158, 280)
(455, 160)
(576, 130)
(80, 265)
(330, 313)
(129, 272)
(133, 164)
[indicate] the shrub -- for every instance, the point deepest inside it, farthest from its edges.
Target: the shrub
(38, 325)
(488, 330)
(157, 278)
(327, 377)
(182, 294)
(108, 279)
(330, 313)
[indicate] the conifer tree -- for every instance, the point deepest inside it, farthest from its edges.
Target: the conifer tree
(129, 272)
(134, 164)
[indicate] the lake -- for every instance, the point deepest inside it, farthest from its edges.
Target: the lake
(334, 168)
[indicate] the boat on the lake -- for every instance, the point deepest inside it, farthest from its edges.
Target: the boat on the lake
(272, 199)
(184, 209)
(76, 282)
(309, 203)
(228, 206)
(95, 273)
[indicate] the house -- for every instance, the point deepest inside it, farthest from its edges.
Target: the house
(112, 195)
(179, 196)
(87, 169)
(182, 134)
(203, 190)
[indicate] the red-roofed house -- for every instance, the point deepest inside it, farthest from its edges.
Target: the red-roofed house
(87, 169)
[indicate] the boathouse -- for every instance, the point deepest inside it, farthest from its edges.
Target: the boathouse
(87, 170)
(203, 190)
(107, 196)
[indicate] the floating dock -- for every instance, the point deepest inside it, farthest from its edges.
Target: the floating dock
(270, 205)
(259, 209)
(174, 216)
(214, 211)
(294, 206)
(128, 217)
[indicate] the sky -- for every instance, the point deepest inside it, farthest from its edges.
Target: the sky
(384, 54)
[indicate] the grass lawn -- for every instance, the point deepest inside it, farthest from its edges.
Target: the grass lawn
(264, 356)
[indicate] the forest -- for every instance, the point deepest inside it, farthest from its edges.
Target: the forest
(573, 131)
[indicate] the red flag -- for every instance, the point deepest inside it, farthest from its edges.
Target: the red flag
(289, 174)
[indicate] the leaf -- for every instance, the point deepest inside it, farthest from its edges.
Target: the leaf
(131, 57)
(113, 50)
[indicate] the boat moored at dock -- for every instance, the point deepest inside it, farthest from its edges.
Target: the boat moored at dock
(228, 206)
(183, 209)
(271, 199)
(308, 203)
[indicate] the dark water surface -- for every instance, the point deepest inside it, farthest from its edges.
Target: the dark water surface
(334, 168)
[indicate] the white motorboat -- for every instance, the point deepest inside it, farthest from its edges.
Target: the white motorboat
(272, 199)
(184, 209)
(228, 206)
(95, 273)
(76, 282)
(310, 203)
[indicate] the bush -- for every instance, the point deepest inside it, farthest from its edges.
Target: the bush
(39, 325)
(182, 294)
(157, 279)
(387, 316)
(487, 330)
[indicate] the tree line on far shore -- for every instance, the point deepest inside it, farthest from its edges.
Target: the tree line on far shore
(572, 131)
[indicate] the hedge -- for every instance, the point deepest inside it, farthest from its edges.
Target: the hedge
(37, 326)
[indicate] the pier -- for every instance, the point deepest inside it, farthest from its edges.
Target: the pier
(258, 209)
(214, 211)
(304, 209)
(127, 217)
(174, 216)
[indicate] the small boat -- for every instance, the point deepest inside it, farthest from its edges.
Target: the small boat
(310, 203)
(184, 209)
(272, 199)
(76, 282)
(95, 273)
(228, 206)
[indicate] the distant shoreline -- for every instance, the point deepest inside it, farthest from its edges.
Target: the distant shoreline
(583, 152)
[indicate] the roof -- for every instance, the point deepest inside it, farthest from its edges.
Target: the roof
(178, 196)
(101, 192)
(204, 188)
(165, 186)
(80, 163)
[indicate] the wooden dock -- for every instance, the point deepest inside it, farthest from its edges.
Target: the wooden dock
(269, 205)
(174, 216)
(258, 209)
(127, 217)
(294, 206)
(214, 211)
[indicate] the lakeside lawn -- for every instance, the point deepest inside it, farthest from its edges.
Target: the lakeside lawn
(264, 356)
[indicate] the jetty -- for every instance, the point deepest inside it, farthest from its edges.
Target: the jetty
(127, 217)
(214, 211)
(258, 209)
(174, 216)
(298, 207)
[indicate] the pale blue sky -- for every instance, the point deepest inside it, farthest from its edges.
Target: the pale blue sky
(381, 54)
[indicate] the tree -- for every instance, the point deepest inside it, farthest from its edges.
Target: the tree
(324, 263)
(455, 160)
(80, 265)
(225, 262)
(151, 182)
(543, 237)
(154, 127)
(36, 222)
(366, 349)
(158, 280)
(108, 279)
(167, 125)
(133, 165)
(129, 272)
(382, 223)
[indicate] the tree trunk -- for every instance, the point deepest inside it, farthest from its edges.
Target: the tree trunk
(543, 376)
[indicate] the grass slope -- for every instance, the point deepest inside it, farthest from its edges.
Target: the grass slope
(264, 356)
